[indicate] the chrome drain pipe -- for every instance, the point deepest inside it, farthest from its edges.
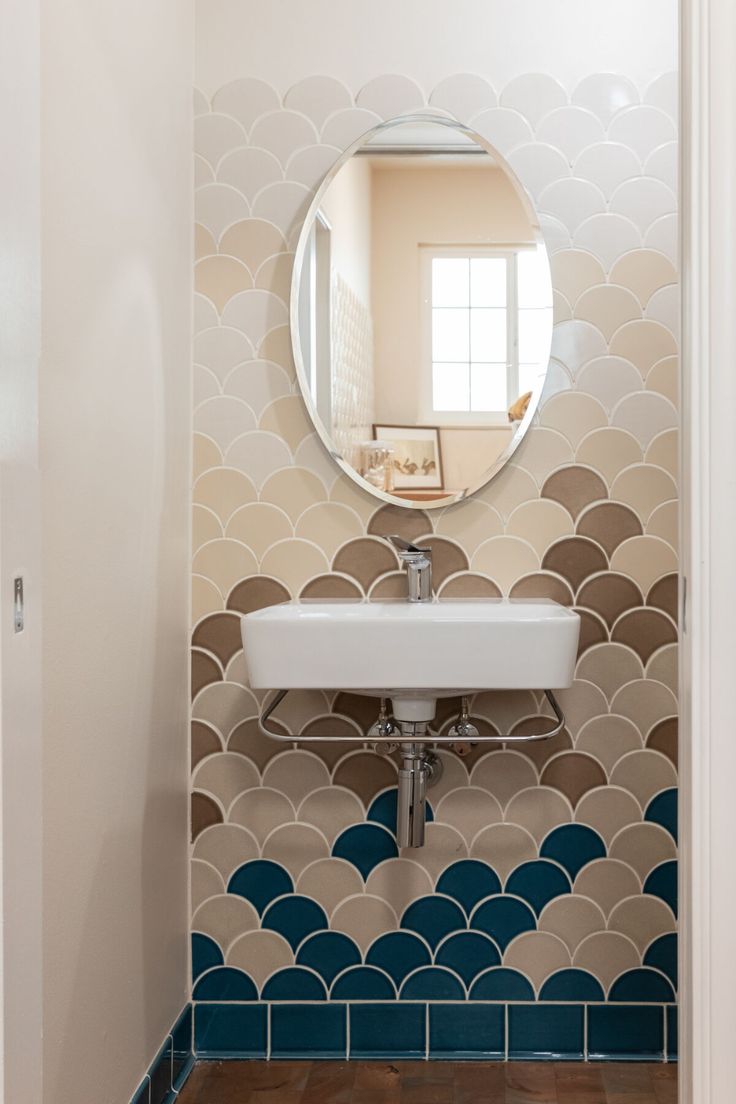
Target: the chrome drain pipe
(419, 768)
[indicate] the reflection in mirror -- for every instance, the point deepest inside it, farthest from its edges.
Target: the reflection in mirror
(421, 311)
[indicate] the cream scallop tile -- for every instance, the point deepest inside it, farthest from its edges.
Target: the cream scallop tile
(223, 418)
(260, 954)
(470, 523)
(330, 881)
(203, 174)
(222, 490)
(664, 93)
(580, 703)
(503, 129)
(509, 489)
(605, 94)
(505, 559)
(573, 271)
(249, 171)
(454, 775)
(253, 241)
(296, 774)
(217, 206)
(313, 455)
(645, 703)
(643, 487)
(642, 128)
(607, 881)
(574, 414)
(205, 527)
(254, 313)
(259, 454)
(609, 666)
(561, 309)
(538, 809)
(204, 243)
(572, 201)
(286, 418)
(570, 129)
(318, 97)
(331, 810)
(609, 379)
(206, 882)
(463, 95)
(282, 132)
(663, 667)
(503, 774)
(284, 204)
(468, 810)
(329, 525)
(608, 451)
(607, 236)
(607, 165)
(537, 954)
(606, 955)
(664, 523)
(364, 918)
(225, 562)
(663, 164)
(260, 811)
(206, 598)
(259, 525)
(544, 449)
(643, 200)
(643, 919)
(389, 95)
(664, 307)
(644, 773)
(220, 349)
(645, 559)
(224, 918)
(608, 307)
(206, 455)
(572, 919)
(204, 314)
(246, 100)
(215, 135)
(504, 847)
(558, 378)
(398, 882)
(295, 846)
(301, 706)
(608, 739)
(538, 165)
(347, 126)
(443, 846)
(663, 235)
(644, 271)
(555, 234)
(309, 166)
(540, 523)
(607, 810)
(345, 492)
(225, 775)
(226, 847)
(204, 385)
(293, 490)
(576, 343)
(642, 846)
(200, 103)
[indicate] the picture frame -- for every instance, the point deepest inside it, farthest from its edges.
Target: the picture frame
(416, 447)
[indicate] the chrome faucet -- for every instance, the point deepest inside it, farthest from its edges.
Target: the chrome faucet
(418, 568)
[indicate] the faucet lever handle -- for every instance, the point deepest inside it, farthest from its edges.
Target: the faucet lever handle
(405, 547)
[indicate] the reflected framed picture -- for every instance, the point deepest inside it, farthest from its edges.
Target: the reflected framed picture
(417, 455)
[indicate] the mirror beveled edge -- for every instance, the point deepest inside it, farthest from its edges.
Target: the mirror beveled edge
(503, 458)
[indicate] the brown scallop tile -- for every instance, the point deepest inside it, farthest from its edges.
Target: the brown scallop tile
(663, 737)
(205, 671)
(364, 560)
(247, 739)
(332, 749)
(575, 558)
(219, 633)
(470, 585)
(393, 585)
(365, 774)
(358, 707)
(541, 585)
(408, 524)
(448, 559)
(609, 524)
(204, 741)
(663, 595)
(539, 751)
(644, 630)
(592, 630)
(573, 774)
(609, 595)
(575, 487)
(331, 586)
(255, 593)
(205, 813)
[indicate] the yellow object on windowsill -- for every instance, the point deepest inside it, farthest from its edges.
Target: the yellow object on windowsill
(517, 410)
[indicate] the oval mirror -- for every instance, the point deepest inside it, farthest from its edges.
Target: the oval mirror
(421, 311)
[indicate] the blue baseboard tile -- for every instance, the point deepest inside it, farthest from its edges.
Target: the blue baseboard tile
(230, 1030)
(467, 1031)
(544, 1032)
(396, 1029)
(142, 1094)
(626, 1033)
(309, 1030)
(171, 1066)
(672, 1049)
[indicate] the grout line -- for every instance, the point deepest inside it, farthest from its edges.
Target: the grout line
(665, 1041)
(426, 1032)
(268, 1032)
(585, 1033)
(506, 1033)
(347, 1032)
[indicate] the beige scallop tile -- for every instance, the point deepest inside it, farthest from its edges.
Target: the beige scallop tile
(224, 418)
(295, 846)
(225, 775)
(223, 490)
(275, 275)
(258, 453)
(318, 97)
(664, 523)
(509, 489)
(329, 881)
(284, 203)
(608, 307)
(644, 271)
(206, 455)
(505, 559)
(664, 451)
(226, 847)
(205, 527)
(245, 100)
(609, 666)
(300, 707)
(644, 773)
(313, 456)
(503, 774)
(664, 378)
(206, 598)
(249, 170)
(468, 809)
(294, 562)
(255, 313)
(454, 776)
(606, 955)
(224, 705)
(608, 739)
(206, 882)
(260, 954)
(204, 315)
(399, 882)
(540, 523)
(575, 270)
(204, 243)
(220, 349)
(504, 847)
(204, 386)
(645, 703)
(261, 810)
(642, 919)
(224, 918)
(607, 235)
(607, 881)
(643, 487)
(644, 415)
(663, 667)
(609, 451)
(609, 379)
(225, 562)
(220, 278)
(572, 919)
(544, 449)
(538, 810)
(287, 418)
(537, 954)
(643, 342)
(331, 810)
(644, 559)
(329, 525)
(443, 846)
(365, 774)
(607, 810)
(296, 773)
(581, 702)
(276, 346)
(346, 493)
(574, 415)
(293, 490)
(504, 708)
(217, 206)
(561, 309)
(470, 524)
(364, 918)
(281, 132)
(642, 846)
(259, 525)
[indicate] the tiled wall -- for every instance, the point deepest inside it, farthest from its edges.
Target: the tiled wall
(549, 871)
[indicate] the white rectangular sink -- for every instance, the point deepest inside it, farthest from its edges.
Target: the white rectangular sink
(381, 648)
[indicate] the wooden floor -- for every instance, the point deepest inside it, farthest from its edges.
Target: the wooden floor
(429, 1083)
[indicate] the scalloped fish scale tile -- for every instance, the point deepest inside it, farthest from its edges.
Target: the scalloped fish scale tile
(463, 95)
(605, 94)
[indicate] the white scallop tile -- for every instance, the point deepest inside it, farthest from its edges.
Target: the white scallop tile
(533, 95)
(644, 414)
(218, 206)
(283, 132)
(571, 129)
(284, 204)
(205, 314)
(574, 271)
(664, 93)
(204, 385)
(503, 128)
(642, 128)
(203, 172)
(607, 307)
(258, 455)
(605, 94)
(258, 382)
(249, 170)
(664, 164)
(464, 95)
(607, 165)
(607, 237)
(223, 418)
(538, 165)
(310, 166)
(663, 377)
(390, 95)
(556, 235)
(215, 135)
(664, 307)
(642, 201)
(246, 100)
(220, 348)
(609, 379)
(576, 343)
(318, 97)
(662, 235)
(255, 313)
(345, 127)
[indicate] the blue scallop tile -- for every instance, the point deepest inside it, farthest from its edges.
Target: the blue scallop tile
(619, 1032)
(434, 918)
(662, 955)
(294, 983)
(205, 954)
(572, 985)
(309, 1030)
(387, 1030)
(225, 983)
(432, 983)
(503, 918)
(662, 810)
(383, 810)
(295, 918)
(260, 882)
(538, 882)
(365, 846)
(672, 1047)
(458, 1031)
(398, 953)
(467, 953)
(642, 985)
(662, 882)
(545, 1032)
(363, 983)
(181, 1035)
(142, 1094)
(468, 882)
(573, 846)
(501, 984)
(329, 953)
(231, 1030)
